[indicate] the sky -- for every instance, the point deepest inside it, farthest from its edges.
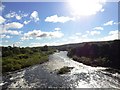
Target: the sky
(31, 24)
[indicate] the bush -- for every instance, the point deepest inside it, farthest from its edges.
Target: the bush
(64, 70)
(16, 58)
(22, 56)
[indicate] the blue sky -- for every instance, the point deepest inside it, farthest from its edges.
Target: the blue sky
(56, 23)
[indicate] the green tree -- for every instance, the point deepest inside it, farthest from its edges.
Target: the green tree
(45, 48)
(16, 50)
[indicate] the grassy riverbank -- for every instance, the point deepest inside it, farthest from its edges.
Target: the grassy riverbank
(15, 58)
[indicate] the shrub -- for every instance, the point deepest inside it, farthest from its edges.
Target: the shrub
(64, 70)
(22, 56)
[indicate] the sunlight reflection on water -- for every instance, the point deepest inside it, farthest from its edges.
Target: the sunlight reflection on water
(81, 76)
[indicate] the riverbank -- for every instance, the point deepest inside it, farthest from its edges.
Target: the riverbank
(97, 62)
(20, 58)
(105, 54)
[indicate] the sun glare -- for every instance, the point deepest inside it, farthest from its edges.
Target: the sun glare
(86, 7)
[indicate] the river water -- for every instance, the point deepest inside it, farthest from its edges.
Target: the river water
(45, 75)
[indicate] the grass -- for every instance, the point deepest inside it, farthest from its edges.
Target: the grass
(23, 60)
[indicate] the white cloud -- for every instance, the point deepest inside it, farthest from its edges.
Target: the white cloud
(10, 15)
(17, 43)
(25, 38)
(98, 28)
(113, 32)
(109, 23)
(2, 7)
(57, 29)
(39, 34)
(112, 35)
(85, 36)
(26, 22)
(56, 19)
(12, 32)
(78, 39)
(86, 7)
(102, 10)
(55, 34)
(78, 34)
(35, 16)
(116, 23)
(5, 36)
(15, 25)
(18, 16)
(95, 33)
(33, 33)
(2, 20)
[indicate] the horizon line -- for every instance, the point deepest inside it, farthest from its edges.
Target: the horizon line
(60, 44)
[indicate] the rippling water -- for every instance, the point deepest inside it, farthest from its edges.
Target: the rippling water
(45, 75)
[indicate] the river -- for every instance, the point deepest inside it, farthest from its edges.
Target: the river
(45, 75)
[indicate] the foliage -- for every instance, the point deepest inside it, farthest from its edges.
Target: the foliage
(15, 58)
(97, 54)
(44, 48)
(64, 70)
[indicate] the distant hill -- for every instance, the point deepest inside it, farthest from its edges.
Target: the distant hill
(67, 47)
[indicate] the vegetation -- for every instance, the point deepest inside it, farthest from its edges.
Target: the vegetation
(64, 70)
(15, 58)
(104, 53)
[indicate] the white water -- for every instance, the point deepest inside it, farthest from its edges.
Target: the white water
(81, 76)
(89, 77)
